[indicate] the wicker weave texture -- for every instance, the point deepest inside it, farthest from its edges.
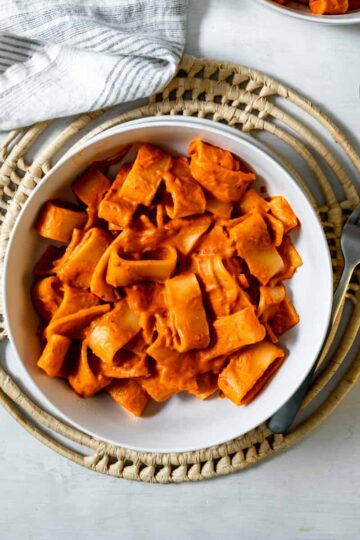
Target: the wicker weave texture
(256, 104)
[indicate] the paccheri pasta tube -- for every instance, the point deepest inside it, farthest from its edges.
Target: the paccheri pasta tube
(170, 279)
(327, 7)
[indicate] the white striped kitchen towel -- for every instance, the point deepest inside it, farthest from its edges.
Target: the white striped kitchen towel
(60, 57)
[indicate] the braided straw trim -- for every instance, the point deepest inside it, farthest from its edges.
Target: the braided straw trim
(242, 98)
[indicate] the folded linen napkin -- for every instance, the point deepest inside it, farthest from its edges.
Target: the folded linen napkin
(60, 57)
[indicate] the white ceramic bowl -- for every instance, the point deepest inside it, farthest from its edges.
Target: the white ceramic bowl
(302, 12)
(183, 423)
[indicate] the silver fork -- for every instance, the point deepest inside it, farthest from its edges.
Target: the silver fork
(281, 421)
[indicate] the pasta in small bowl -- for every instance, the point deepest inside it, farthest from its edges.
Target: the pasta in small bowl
(163, 265)
(322, 11)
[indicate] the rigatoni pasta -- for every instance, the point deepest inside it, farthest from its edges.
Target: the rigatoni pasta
(170, 279)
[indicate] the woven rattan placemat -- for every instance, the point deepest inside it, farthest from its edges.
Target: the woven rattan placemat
(262, 107)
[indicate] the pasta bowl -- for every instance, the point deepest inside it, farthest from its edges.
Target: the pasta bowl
(183, 423)
(299, 11)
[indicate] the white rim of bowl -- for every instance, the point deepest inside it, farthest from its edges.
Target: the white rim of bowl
(128, 126)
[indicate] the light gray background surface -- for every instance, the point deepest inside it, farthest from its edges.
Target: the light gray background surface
(310, 492)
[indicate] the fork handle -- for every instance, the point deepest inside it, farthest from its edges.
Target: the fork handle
(341, 289)
(281, 421)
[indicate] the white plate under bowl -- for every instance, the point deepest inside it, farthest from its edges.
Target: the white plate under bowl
(293, 9)
(183, 423)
